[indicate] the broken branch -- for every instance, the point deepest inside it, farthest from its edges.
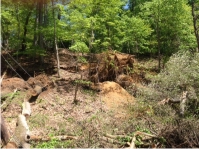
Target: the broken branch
(1, 79)
(46, 138)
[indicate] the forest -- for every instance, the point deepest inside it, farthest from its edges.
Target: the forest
(99, 73)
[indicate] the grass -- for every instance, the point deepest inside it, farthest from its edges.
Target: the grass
(13, 98)
(89, 92)
(54, 143)
(38, 120)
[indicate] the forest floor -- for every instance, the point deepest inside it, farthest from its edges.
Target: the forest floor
(103, 118)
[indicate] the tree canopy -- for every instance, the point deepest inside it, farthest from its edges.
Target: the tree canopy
(136, 27)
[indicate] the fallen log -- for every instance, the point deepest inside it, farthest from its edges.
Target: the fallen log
(5, 135)
(21, 136)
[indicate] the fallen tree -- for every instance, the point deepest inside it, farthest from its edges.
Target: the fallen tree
(33, 87)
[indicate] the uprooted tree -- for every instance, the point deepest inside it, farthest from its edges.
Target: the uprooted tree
(109, 65)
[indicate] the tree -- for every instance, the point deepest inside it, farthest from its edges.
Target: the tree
(135, 34)
(96, 20)
(171, 21)
(23, 44)
(8, 23)
(134, 6)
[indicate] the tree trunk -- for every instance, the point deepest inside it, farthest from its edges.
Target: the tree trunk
(45, 13)
(18, 32)
(90, 47)
(57, 56)
(23, 47)
(5, 136)
(55, 41)
(195, 17)
(40, 15)
(158, 38)
(35, 40)
(36, 26)
(40, 18)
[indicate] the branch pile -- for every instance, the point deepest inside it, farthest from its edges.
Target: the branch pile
(182, 134)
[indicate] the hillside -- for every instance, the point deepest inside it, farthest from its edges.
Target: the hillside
(86, 114)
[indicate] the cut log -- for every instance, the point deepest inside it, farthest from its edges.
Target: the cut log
(21, 134)
(5, 136)
(26, 111)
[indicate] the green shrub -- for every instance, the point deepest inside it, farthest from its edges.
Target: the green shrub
(181, 73)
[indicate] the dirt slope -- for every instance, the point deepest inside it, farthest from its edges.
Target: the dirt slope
(115, 97)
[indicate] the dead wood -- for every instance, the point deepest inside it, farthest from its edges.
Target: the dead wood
(108, 65)
(182, 134)
(5, 136)
(21, 134)
(26, 111)
(146, 134)
(132, 145)
(144, 137)
(109, 140)
(46, 138)
(116, 136)
(1, 79)
(182, 100)
(10, 145)
(124, 80)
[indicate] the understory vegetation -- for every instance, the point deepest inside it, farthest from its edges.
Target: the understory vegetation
(180, 74)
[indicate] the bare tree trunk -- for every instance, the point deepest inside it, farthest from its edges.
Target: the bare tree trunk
(75, 101)
(90, 47)
(195, 18)
(35, 40)
(23, 48)
(40, 18)
(45, 13)
(40, 2)
(18, 32)
(36, 26)
(57, 56)
(55, 41)
(158, 38)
